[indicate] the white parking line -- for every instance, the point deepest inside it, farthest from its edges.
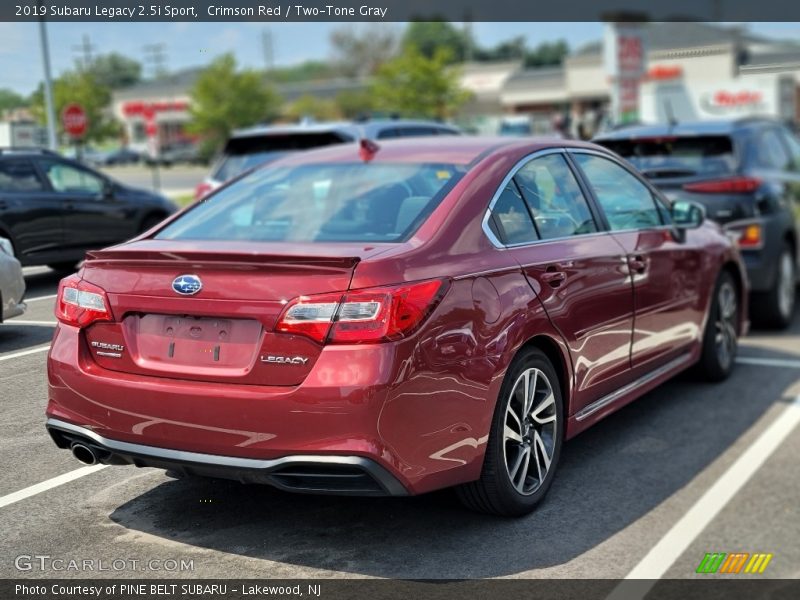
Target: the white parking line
(670, 547)
(50, 297)
(49, 484)
(24, 353)
(769, 362)
(36, 323)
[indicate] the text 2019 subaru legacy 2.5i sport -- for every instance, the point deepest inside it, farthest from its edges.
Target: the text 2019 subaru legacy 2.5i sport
(392, 320)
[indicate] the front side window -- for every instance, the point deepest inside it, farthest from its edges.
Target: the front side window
(18, 176)
(555, 198)
(626, 201)
(69, 179)
(325, 202)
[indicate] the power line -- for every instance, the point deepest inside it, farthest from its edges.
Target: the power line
(85, 52)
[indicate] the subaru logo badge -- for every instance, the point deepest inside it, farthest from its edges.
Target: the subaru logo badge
(187, 285)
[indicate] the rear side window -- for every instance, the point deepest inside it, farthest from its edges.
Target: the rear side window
(243, 153)
(626, 201)
(510, 220)
(19, 176)
(325, 202)
(556, 201)
(667, 157)
(69, 179)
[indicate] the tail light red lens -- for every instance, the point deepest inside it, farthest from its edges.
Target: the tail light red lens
(363, 316)
(732, 185)
(81, 303)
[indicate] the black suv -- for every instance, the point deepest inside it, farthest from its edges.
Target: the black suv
(746, 172)
(54, 209)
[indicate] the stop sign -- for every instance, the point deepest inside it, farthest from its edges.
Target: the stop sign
(74, 120)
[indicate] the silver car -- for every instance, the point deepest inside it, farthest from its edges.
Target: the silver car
(12, 284)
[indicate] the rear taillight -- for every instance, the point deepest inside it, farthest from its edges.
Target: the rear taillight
(202, 189)
(732, 185)
(363, 316)
(81, 303)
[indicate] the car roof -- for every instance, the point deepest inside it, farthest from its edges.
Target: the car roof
(460, 150)
(355, 130)
(689, 128)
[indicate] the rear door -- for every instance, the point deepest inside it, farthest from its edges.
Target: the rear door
(577, 270)
(665, 273)
(28, 211)
(92, 217)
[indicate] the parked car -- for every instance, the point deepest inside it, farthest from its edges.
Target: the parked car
(746, 172)
(120, 156)
(177, 153)
(54, 209)
(12, 283)
(392, 319)
(249, 148)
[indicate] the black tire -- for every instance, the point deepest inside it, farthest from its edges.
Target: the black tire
(720, 338)
(496, 492)
(65, 268)
(773, 309)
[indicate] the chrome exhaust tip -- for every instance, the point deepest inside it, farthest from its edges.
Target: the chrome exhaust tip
(84, 454)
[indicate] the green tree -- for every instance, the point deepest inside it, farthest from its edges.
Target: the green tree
(353, 104)
(308, 106)
(430, 36)
(415, 85)
(224, 98)
(10, 99)
(80, 87)
(547, 54)
(116, 71)
(359, 53)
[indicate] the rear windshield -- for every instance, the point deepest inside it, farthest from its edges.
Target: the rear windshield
(244, 153)
(677, 156)
(344, 202)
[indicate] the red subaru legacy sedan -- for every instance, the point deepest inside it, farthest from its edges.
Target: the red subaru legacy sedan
(392, 320)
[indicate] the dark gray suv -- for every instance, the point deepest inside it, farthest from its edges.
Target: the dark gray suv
(746, 172)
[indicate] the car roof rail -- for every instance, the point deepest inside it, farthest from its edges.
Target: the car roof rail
(27, 150)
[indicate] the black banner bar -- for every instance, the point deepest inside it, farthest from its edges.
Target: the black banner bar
(272, 11)
(703, 588)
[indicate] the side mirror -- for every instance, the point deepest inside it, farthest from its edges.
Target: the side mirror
(108, 189)
(687, 214)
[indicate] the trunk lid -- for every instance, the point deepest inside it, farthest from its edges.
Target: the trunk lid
(225, 331)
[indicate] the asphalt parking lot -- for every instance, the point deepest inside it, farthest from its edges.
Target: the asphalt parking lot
(690, 468)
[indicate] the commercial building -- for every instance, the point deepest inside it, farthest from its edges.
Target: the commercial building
(693, 71)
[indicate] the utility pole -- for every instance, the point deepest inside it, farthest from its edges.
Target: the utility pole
(52, 141)
(156, 56)
(85, 49)
(268, 49)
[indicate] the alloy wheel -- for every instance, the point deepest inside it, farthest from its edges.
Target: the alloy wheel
(725, 324)
(530, 430)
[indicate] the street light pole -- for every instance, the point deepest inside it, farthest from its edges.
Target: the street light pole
(52, 142)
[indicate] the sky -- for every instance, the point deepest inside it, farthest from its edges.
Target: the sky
(193, 44)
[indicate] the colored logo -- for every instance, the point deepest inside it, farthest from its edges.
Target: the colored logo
(187, 285)
(734, 563)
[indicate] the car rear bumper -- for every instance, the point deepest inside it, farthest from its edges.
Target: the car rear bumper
(359, 406)
(343, 475)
